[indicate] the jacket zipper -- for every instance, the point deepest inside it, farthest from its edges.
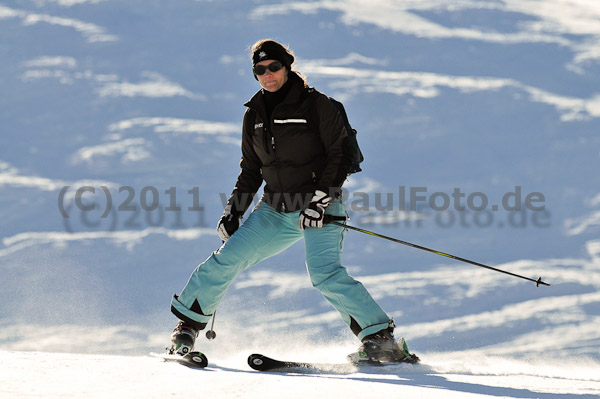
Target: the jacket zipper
(272, 126)
(269, 132)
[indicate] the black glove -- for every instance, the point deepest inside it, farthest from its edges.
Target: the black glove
(314, 214)
(228, 224)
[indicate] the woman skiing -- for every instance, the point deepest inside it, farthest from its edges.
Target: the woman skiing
(304, 166)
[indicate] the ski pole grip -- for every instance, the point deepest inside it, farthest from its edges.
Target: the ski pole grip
(330, 218)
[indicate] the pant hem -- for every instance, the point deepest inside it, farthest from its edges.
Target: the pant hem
(191, 318)
(373, 329)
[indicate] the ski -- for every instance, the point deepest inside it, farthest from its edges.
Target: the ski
(196, 360)
(260, 362)
(264, 363)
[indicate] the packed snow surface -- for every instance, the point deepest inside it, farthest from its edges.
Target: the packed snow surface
(447, 375)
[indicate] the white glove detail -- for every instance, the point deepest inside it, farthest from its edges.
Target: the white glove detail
(313, 215)
(228, 224)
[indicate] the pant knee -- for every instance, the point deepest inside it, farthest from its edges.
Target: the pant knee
(322, 278)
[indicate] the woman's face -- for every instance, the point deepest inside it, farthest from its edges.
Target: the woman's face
(272, 81)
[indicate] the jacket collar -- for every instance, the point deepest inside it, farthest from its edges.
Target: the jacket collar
(294, 95)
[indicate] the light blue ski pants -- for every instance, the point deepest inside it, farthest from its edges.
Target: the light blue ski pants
(265, 233)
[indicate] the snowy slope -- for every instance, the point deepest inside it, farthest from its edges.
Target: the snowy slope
(447, 376)
(145, 99)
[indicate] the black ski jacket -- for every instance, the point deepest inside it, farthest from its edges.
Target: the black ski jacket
(292, 152)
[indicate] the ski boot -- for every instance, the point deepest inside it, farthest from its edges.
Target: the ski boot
(182, 339)
(382, 348)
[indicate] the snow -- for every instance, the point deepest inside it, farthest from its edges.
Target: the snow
(144, 99)
(448, 375)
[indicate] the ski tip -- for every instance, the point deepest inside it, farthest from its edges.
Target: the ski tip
(256, 361)
(255, 356)
(196, 360)
(264, 363)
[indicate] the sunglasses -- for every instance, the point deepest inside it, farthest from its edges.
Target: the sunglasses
(262, 69)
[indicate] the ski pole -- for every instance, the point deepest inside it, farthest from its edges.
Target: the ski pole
(332, 220)
(211, 334)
